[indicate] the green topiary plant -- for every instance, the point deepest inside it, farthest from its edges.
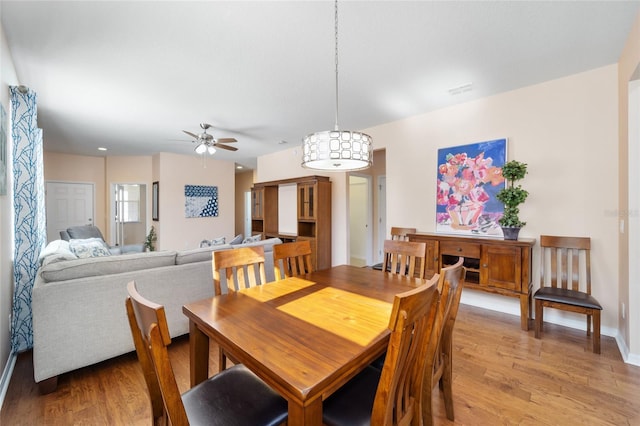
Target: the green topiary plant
(150, 242)
(512, 196)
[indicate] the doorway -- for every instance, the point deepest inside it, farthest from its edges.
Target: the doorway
(68, 204)
(128, 213)
(360, 214)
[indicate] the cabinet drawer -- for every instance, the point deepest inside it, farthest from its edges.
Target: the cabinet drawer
(455, 248)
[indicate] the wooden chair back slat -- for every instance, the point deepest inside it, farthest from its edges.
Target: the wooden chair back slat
(292, 259)
(404, 257)
(401, 234)
(242, 268)
(565, 269)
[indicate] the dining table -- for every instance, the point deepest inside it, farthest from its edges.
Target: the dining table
(304, 336)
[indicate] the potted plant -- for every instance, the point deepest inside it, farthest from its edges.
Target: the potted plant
(150, 242)
(512, 196)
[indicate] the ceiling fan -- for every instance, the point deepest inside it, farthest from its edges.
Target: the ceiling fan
(207, 143)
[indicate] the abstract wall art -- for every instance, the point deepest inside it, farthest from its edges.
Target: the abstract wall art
(201, 200)
(468, 179)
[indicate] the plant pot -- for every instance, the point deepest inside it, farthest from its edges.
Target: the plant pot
(510, 233)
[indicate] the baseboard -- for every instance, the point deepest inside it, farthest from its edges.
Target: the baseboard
(6, 376)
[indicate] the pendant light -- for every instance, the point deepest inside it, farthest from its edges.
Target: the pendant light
(337, 150)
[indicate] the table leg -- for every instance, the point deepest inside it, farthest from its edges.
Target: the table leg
(311, 415)
(198, 354)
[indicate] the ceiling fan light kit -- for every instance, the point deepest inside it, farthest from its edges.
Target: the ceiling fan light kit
(337, 150)
(208, 144)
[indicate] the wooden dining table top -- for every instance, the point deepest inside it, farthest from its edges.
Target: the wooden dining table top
(304, 336)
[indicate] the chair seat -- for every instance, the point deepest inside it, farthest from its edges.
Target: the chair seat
(234, 396)
(569, 297)
(352, 404)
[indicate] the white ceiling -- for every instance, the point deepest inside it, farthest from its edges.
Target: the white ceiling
(131, 75)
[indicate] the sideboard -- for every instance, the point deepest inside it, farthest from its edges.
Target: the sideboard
(493, 265)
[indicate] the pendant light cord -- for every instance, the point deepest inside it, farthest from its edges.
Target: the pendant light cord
(336, 37)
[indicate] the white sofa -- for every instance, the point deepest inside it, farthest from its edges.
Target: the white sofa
(79, 315)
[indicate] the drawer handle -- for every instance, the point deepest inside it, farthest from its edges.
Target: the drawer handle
(484, 265)
(459, 249)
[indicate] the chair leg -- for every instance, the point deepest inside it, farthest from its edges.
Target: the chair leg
(538, 321)
(427, 393)
(589, 325)
(596, 331)
(446, 382)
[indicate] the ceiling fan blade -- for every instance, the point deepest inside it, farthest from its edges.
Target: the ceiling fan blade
(227, 140)
(227, 147)
(193, 135)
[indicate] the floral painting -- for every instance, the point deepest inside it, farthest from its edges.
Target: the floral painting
(469, 177)
(201, 200)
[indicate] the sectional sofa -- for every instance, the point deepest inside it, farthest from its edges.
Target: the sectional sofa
(79, 315)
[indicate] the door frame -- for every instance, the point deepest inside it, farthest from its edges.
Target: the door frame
(369, 218)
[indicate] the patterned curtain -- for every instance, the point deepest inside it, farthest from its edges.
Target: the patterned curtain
(29, 210)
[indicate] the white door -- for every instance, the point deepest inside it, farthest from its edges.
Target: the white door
(67, 204)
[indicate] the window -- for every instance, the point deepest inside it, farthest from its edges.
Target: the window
(129, 203)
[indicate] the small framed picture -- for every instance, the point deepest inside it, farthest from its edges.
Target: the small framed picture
(155, 192)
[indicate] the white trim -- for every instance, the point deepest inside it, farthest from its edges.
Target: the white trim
(6, 376)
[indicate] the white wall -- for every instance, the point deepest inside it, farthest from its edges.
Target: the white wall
(565, 129)
(175, 231)
(8, 77)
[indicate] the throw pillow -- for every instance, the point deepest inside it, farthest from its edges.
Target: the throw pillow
(89, 247)
(56, 251)
(218, 241)
(253, 239)
(236, 240)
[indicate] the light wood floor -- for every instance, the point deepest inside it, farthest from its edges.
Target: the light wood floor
(502, 376)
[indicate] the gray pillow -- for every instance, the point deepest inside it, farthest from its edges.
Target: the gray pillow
(236, 240)
(253, 239)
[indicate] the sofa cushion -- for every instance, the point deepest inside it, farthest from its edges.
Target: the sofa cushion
(89, 247)
(95, 266)
(199, 254)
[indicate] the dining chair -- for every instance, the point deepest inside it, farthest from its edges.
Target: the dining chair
(565, 282)
(234, 396)
(401, 234)
(439, 368)
(238, 268)
(404, 257)
(392, 396)
(397, 234)
(292, 259)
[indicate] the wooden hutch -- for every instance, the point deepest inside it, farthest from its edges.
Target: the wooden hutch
(313, 210)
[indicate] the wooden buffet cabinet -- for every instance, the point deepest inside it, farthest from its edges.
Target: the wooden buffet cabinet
(493, 265)
(313, 205)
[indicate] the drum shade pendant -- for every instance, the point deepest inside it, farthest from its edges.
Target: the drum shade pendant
(337, 150)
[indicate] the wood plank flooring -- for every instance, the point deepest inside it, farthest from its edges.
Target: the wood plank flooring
(502, 376)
